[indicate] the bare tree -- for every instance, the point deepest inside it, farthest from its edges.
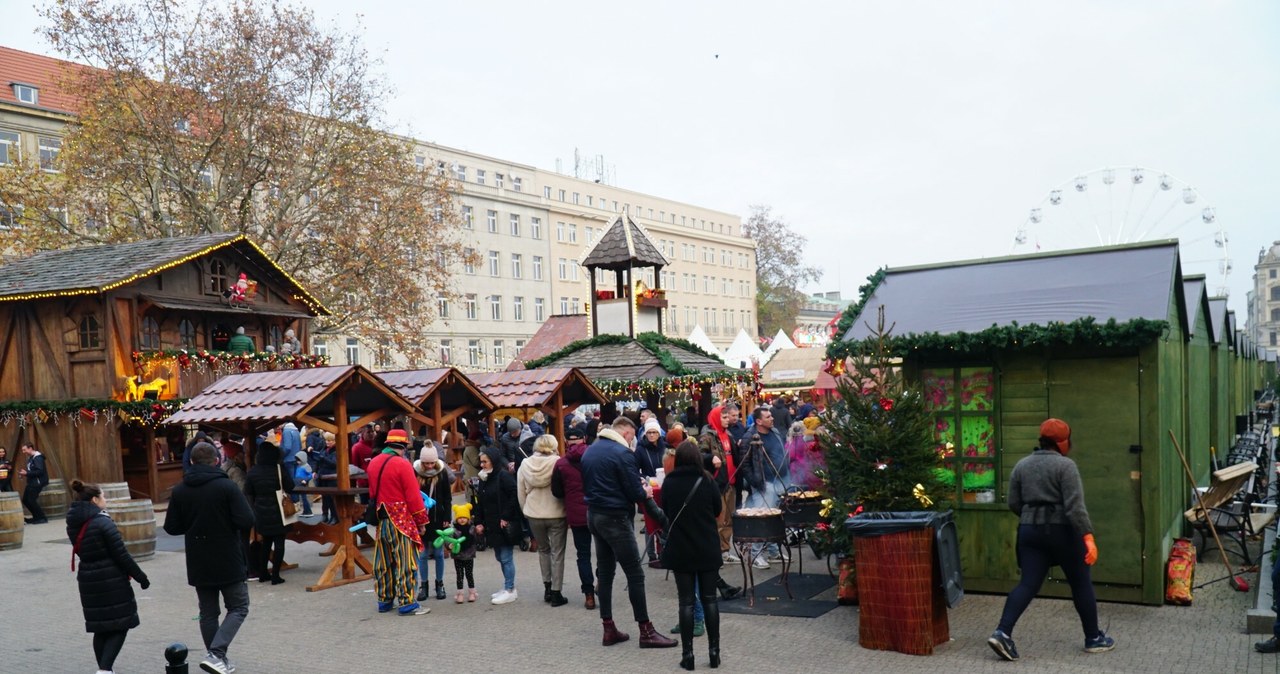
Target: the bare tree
(779, 270)
(246, 117)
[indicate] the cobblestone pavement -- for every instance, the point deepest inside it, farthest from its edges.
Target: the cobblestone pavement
(338, 630)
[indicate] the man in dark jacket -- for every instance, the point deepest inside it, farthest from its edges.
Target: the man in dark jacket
(612, 486)
(781, 412)
(766, 470)
(211, 513)
(509, 443)
(37, 475)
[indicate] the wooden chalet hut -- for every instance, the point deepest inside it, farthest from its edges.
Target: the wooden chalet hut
(443, 396)
(333, 399)
(1099, 337)
(99, 344)
(556, 391)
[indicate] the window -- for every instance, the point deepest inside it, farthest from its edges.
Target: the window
(1273, 338)
(459, 172)
(546, 191)
(468, 217)
(150, 337)
(469, 303)
(573, 232)
(10, 217)
(706, 284)
(382, 356)
(515, 224)
(498, 180)
(519, 348)
(590, 200)
(711, 320)
(320, 348)
(1275, 293)
(517, 184)
(90, 332)
(468, 255)
(537, 267)
(573, 271)
(497, 352)
(559, 231)
(962, 402)
(539, 309)
(442, 306)
(1275, 315)
(575, 305)
(561, 195)
(495, 307)
(575, 198)
(49, 149)
(10, 146)
(353, 351)
(515, 265)
(419, 161)
(591, 235)
(25, 93)
(440, 169)
(473, 352)
(217, 277)
(446, 345)
(479, 176)
(564, 305)
(563, 265)
(274, 337)
(187, 334)
(493, 263)
(492, 219)
(535, 228)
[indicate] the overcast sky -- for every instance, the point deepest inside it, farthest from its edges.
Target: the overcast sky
(887, 133)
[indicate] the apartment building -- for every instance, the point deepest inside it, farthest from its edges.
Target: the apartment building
(530, 228)
(1264, 299)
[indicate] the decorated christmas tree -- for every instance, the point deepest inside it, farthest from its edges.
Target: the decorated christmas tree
(880, 448)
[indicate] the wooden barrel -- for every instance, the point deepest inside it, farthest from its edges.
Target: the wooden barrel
(53, 499)
(115, 491)
(10, 521)
(136, 520)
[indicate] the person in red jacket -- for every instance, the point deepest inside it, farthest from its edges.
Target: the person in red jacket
(402, 519)
(566, 484)
(362, 454)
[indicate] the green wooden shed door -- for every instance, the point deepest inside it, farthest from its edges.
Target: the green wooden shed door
(1098, 398)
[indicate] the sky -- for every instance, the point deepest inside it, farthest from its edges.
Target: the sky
(884, 133)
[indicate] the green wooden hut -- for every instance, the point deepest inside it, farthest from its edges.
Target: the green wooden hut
(1104, 338)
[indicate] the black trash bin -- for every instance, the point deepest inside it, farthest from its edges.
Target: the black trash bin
(908, 570)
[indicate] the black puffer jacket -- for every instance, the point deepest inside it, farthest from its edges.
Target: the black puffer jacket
(104, 570)
(260, 487)
(497, 500)
(210, 511)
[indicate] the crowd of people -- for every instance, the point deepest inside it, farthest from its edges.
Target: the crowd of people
(520, 490)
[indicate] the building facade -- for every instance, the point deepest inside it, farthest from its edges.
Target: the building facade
(529, 228)
(1264, 299)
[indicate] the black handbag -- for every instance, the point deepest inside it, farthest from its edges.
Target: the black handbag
(371, 512)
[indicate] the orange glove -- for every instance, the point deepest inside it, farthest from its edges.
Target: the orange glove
(1090, 550)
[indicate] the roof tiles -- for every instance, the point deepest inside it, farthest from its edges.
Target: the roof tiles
(624, 245)
(455, 389)
(43, 72)
(537, 388)
(555, 334)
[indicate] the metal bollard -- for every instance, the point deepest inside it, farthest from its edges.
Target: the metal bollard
(176, 655)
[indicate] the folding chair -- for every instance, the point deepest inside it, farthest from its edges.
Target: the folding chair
(1236, 519)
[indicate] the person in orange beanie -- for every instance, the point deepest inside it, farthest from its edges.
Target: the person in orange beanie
(1054, 529)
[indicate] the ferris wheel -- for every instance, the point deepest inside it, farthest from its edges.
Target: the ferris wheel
(1130, 204)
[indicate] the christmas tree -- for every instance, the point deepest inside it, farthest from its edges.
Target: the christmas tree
(880, 448)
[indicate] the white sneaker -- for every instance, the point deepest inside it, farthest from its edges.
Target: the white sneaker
(760, 563)
(497, 594)
(214, 665)
(730, 558)
(506, 597)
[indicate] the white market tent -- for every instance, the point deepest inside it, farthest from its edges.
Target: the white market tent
(698, 337)
(781, 342)
(743, 350)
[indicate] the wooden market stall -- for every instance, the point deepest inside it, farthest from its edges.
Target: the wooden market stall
(792, 372)
(443, 395)
(333, 399)
(1104, 338)
(98, 344)
(556, 391)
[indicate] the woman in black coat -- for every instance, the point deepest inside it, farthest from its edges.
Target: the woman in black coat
(692, 551)
(267, 476)
(110, 610)
(497, 510)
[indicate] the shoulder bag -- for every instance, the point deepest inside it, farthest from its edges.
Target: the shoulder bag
(662, 536)
(288, 511)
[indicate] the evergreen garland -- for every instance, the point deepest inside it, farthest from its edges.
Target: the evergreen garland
(88, 410)
(651, 341)
(1085, 331)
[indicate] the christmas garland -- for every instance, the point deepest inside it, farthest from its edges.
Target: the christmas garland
(1082, 331)
(651, 341)
(725, 385)
(225, 361)
(88, 410)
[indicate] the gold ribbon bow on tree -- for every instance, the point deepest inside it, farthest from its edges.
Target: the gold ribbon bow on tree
(924, 499)
(826, 507)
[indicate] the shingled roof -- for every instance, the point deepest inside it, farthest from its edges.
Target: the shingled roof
(90, 270)
(45, 73)
(454, 388)
(537, 388)
(557, 333)
(631, 360)
(624, 245)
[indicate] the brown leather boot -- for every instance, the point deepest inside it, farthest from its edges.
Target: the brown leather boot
(612, 635)
(651, 638)
(589, 601)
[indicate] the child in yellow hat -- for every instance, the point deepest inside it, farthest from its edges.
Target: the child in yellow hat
(464, 560)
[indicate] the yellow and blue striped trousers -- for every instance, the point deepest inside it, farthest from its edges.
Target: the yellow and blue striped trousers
(395, 565)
